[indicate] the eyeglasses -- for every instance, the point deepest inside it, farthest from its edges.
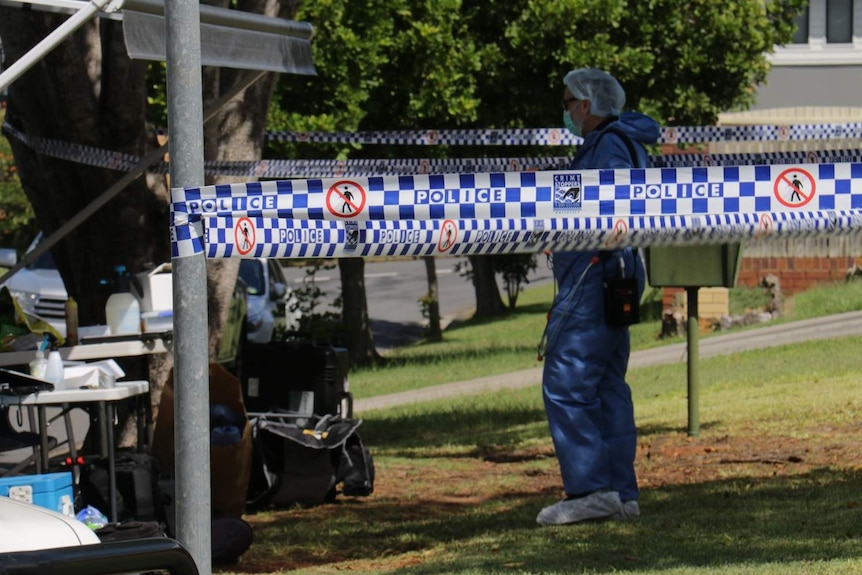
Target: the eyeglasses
(565, 102)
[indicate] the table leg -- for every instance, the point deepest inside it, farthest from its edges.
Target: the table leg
(112, 477)
(73, 449)
(43, 438)
(103, 435)
(34, 428)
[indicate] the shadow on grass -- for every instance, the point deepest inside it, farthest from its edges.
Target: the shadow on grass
(436, 355)
(777, 520)
(471, 427)
(505, 425)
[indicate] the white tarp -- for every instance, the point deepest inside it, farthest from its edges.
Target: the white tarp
(222, 46)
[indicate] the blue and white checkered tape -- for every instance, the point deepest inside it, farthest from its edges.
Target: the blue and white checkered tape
(229, 236)
(678, 195)
(320, 168)
(561, 137)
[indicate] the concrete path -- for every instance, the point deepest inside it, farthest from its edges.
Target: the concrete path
(828, 327)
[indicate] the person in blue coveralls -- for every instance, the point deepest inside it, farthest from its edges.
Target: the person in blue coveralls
(587, 400)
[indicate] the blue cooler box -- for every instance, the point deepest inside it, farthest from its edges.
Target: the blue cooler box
(50, 490)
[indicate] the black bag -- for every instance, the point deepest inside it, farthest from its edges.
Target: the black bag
(231, 537)
(302, 464)
(622, 304)
(130, 530)
(138, 495)
(355, 469)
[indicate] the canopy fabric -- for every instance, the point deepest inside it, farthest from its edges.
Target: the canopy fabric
(222, 46)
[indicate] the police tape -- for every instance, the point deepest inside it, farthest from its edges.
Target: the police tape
(819, 198)
(321, 168)
(229, 236)
(359, 168)
(561, 137)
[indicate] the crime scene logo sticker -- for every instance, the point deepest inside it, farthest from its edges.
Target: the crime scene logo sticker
(244, 236)
(794, 188)
(351, 235)
(567, 192)
(448, 236)
(345, 199)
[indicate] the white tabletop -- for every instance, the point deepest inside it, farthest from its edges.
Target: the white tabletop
(123, 390)
(104, 349)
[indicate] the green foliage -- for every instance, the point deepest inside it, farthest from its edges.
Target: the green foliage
(700, 57)
(157, 94)
(744, 299)
(444, 64)
(515, 270)
(17, 220)
(315, 322)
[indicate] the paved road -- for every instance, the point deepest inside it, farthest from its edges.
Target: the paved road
(828, 327)
(393, 288)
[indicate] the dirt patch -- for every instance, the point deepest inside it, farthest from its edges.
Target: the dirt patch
(508, 479)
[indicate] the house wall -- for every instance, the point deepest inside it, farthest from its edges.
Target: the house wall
(816, 79)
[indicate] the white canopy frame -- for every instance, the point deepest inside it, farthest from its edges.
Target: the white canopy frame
(187, 47)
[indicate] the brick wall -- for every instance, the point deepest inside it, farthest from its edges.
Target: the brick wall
(795, 274)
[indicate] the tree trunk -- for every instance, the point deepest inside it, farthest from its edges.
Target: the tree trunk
(435, 333)
(355, 312)
(88, 92)
(488, 300)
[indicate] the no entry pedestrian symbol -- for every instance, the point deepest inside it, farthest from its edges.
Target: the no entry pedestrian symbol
(345, 199)
(616, 235)
(244, 236)
(765, 227)
(448, 236)
(794, 187)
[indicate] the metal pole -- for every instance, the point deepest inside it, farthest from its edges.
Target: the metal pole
(191, 367)
(693, 353)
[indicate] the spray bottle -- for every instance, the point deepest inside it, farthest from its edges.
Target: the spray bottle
(54, 369)
(40, 364)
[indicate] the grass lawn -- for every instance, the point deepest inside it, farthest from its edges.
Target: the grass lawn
(770, 486)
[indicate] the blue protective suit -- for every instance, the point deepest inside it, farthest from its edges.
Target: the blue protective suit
(587, 400)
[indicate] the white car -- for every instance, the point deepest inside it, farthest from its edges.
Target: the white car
(268, 298)
(28, 527)
(40, 290)
(37, 540)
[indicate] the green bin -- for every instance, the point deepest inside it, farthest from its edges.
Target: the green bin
(693, 266)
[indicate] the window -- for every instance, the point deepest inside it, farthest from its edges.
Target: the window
(801, 20)
(251, 272)
(839, 21)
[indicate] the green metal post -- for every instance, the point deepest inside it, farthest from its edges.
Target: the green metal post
(693, 352)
